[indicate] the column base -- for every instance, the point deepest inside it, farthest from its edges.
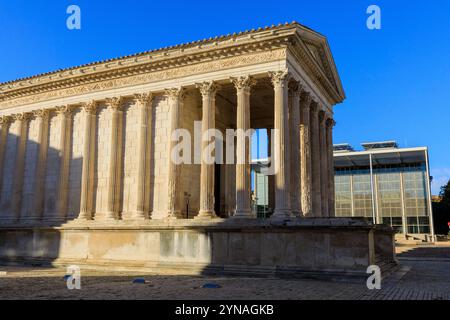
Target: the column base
(206, 215)
(296, 214)
(84, 216)
(243, 214)
(110, 216)
(138, 215)
(281, 214)
(173, 214)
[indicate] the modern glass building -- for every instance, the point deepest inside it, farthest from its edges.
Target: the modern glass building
(387, 184)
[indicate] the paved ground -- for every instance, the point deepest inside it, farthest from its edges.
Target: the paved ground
(424, 274)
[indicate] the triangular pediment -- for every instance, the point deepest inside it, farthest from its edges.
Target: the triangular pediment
(320, 52)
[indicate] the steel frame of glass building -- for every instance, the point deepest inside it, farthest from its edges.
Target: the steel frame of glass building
(388, 184)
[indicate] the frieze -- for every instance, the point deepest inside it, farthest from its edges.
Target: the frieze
(173, 73)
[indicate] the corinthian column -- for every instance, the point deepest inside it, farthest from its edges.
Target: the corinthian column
(243, 173)
(323, 164)
(315, 160)
(87, 174)
(294, 124)
(208, 91)
(305, 155)
(144, 101)
(65, 120)
(331, 206)
(282, 149)
(5, 123)
(39, 187)
(23, 119)
(115, 159)
(176, 96)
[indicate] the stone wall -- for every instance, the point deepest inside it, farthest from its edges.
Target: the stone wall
(318, 247)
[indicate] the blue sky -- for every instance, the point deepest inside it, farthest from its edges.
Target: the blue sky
(397, 79)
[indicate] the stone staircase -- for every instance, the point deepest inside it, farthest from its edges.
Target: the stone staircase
(387, 267)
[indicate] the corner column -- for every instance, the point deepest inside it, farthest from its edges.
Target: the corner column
(315, 160)
(323, 154)
(115, 159)
(208, 91)
(331, 193)
(87, 173)
(282, 149)
(176, 97)
(243, 170)
(65, 142)
(23, 119)
(144, 101)
(294, 123)
(39, 188)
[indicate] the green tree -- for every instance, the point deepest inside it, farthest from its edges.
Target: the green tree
(445, 194)
(441, 211)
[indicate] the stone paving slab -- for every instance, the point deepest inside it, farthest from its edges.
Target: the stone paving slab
(424, 280)
(417, 278)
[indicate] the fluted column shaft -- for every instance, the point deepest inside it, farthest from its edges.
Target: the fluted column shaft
(271, 178)
(5, 123)
(39, 187)
(23, 120)
(208, 91)
(144, 101)
(90, 114)
(305, 156)
(243, 170)
(176, 97)
(115, 159)
(294, 123)
(282, 149)
(315, 160)
(65, 142)
(323, 164)
(331, 191)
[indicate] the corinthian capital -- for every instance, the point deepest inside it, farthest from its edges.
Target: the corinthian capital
(41, 113)
(314, 106)
(5, 120)
(305, 99)
(330, 122)
(90, 107)
(64, 110)
(175, 93)
(279, 78)
(243, 82)
(115, 103)
(295, 88)
(207, 88)
(322, 117)
(24, 116)
(145, 98)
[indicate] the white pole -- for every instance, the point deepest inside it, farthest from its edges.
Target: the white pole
(372, 190)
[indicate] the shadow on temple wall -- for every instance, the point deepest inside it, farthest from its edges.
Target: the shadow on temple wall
(26, 232)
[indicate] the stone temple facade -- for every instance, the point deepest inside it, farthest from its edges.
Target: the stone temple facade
(87, 175)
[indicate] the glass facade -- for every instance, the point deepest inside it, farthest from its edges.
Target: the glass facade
(400, 195)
